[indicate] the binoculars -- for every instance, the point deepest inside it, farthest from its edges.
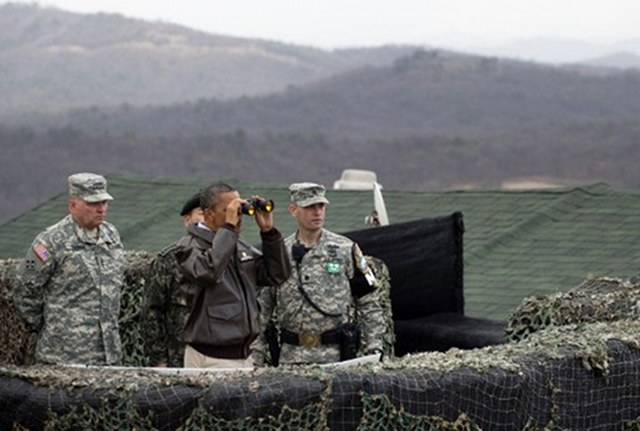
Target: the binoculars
(252, 205)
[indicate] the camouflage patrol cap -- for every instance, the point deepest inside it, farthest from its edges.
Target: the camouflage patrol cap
(307, 194)
(89, 187)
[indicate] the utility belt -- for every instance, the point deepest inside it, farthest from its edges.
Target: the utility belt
(309, 339)
(346, 337)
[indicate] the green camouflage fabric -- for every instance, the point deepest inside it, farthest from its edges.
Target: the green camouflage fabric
(325, 271)
(89, 187)
(306, 194)
(68, 291)
(165, 311)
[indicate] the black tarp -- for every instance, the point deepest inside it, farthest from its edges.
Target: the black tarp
(424, 258)
(425, 261)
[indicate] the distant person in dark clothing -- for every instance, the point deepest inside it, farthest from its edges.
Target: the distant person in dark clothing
(165, 308)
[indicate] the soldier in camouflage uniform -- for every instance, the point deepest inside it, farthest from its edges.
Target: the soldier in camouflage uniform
(166, 310)
(320, 299)
(68, 285)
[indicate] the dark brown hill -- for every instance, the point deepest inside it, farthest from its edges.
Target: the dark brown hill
(53, 60)
(425, 93)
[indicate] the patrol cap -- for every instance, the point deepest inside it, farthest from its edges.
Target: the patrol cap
(191, 204)
(89, 187)
(307, 194)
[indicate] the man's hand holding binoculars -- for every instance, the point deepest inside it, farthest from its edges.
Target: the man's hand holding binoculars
(262, 210)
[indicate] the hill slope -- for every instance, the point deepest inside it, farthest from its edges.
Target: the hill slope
(420, 94)
(54, 60)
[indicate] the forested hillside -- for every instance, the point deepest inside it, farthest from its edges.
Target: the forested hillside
(423, 93)
(35, 163)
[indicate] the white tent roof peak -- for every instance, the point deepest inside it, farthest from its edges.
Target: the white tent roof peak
(356, 179)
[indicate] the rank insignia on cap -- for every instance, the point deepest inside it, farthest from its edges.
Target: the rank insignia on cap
(42, 252)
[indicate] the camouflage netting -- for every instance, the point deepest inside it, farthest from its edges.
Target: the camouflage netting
(17, 344)
(595, 300)
(580, 372)
(570, 377)
(136, 275)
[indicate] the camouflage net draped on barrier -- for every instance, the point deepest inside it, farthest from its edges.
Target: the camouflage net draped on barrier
(569, 377)
(600, 299)
(579, 371)
(131, 304)
(16, 343)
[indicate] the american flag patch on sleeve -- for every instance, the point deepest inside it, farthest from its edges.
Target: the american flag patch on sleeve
(41, 251)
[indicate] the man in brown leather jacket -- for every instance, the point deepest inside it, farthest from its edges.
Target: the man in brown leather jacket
(221, 275)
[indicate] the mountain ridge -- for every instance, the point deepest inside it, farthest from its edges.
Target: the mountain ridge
(424, 93)
(123, 60)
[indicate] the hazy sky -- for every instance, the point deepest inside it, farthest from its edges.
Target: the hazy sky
(345, 23)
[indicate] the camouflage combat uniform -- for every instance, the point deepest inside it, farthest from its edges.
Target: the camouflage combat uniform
(68, 290)
(381, 272)
(325, 271)
(166, 311)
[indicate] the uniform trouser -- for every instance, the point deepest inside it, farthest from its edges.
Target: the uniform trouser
(195, 359)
